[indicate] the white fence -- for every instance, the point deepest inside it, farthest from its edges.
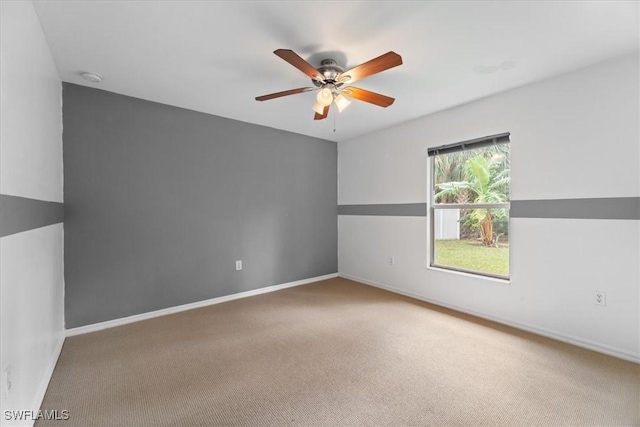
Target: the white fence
(446, 225)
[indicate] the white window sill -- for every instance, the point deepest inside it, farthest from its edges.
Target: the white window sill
(472, 275)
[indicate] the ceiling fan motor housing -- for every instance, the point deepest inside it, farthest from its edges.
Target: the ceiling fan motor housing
(330, 69)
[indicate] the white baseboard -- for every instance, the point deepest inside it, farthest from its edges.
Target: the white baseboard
(600, 348)
(44, 383)
(150, 315)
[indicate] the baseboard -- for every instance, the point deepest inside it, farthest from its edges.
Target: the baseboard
(150, 315)
(44, 384)
(579, 342)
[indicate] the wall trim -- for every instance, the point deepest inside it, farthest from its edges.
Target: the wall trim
(612, 208)
(176, 309)
(570, 339)
(388, 209)
(21, 214)
(594, 208)
(44, 383)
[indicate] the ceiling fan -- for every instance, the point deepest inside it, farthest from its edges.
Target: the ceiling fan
(330, 80)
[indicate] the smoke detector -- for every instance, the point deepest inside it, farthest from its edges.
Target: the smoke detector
(92, 77)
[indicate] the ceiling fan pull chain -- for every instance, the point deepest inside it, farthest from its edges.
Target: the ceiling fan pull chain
(334, 121)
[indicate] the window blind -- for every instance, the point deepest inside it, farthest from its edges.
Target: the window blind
(485, 141)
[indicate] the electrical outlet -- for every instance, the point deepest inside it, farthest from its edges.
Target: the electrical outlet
(391, 260)
(599, 298)
(7, 381)
(239, 265)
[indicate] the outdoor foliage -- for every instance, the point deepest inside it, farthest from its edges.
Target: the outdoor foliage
(475, 176)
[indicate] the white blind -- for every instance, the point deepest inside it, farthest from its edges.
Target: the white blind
(485, 141)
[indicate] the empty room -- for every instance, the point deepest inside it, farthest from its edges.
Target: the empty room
(304, 213)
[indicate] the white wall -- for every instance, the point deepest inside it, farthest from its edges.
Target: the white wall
(31, 262)
(573, 136)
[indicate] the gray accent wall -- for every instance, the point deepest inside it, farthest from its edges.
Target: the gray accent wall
(18, 214)
(161, 201)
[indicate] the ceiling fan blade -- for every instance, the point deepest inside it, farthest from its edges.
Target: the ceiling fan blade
(322, 116)
(283, 93)
(367, 96)
(292, 58)
(376, 65)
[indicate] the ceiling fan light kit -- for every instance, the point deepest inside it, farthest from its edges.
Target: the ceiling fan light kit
(330, 78)
(325, 96)
(341, 102)
(318, 108)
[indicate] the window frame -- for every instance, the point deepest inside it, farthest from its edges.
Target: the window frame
(432, 206)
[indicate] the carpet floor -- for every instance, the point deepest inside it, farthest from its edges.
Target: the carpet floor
(334, 353)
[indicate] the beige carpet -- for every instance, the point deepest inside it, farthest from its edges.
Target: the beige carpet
(335, 353)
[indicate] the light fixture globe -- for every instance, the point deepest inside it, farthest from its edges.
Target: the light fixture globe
(318, 108)
(325, 97)
(341, 103)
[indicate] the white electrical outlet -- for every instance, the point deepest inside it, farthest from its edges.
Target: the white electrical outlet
(391, 260)
(239, 265)
(7, 381)
(599, 298)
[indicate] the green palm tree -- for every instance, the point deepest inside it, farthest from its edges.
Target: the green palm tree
(486, 180)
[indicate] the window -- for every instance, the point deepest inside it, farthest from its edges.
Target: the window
(469, 206)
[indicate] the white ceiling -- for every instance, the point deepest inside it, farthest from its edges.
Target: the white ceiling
(216, 57)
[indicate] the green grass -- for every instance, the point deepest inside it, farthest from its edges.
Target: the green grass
(471, 255)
